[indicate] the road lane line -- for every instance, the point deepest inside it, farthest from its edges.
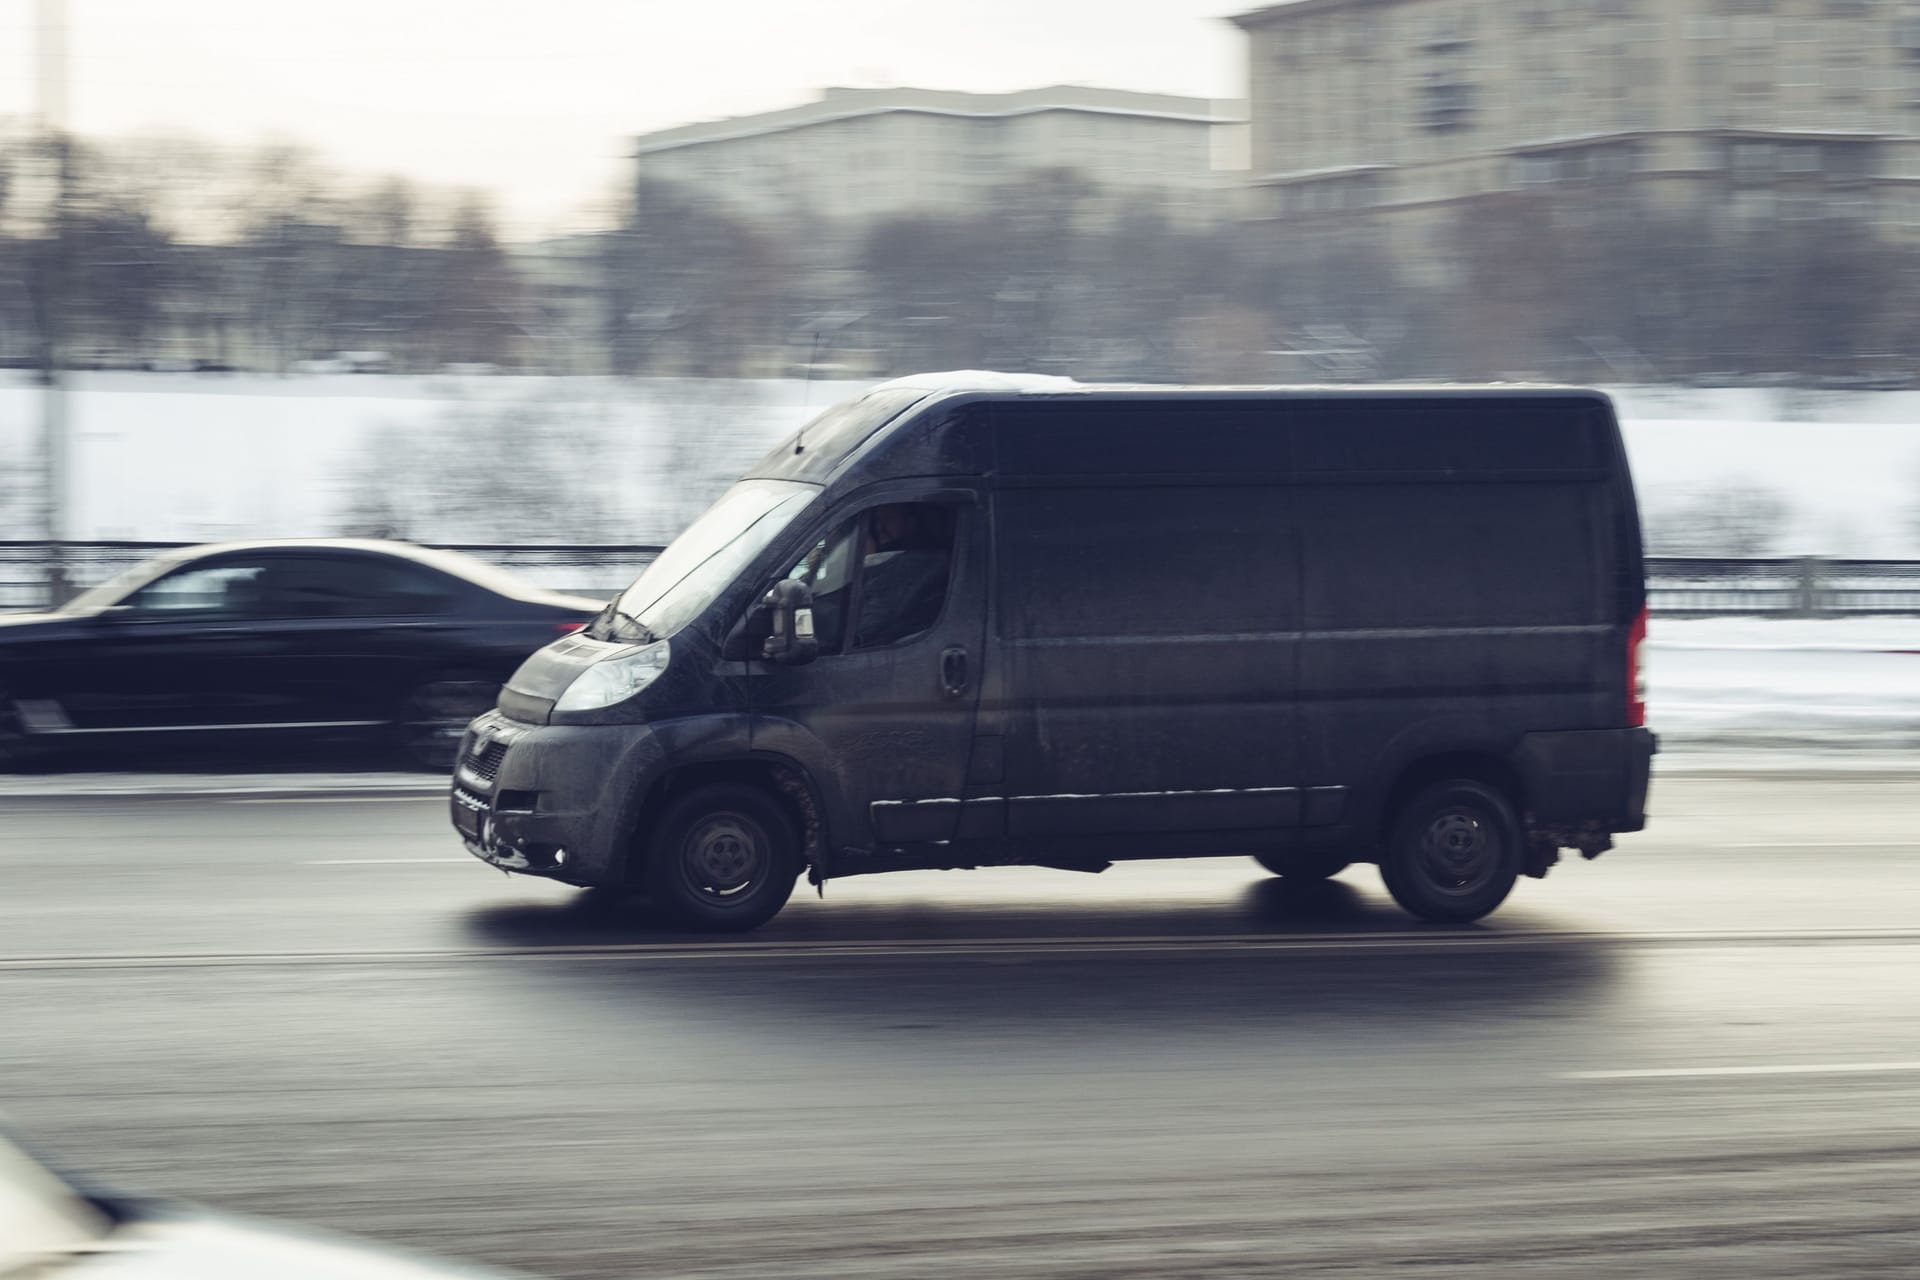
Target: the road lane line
(1780, 1069)
(411, 798)
(379, 862)
(1816, 844)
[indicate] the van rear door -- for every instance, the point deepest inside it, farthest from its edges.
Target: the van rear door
(1466, 579)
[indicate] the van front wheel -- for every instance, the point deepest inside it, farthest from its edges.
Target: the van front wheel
(723, 859)
(1453, 852)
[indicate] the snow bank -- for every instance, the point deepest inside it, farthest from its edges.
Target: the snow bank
(185, 456)
(1850, 685)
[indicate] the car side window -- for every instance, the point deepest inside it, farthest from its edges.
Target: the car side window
(233, 590)
(355, 587)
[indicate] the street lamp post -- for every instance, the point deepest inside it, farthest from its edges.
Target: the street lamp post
(51, 83)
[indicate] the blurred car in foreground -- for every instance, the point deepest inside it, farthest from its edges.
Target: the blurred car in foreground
(379, 639)
(50, 1230)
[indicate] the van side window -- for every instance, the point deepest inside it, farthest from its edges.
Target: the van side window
(887, 568)
(827, 570)
(904, 566)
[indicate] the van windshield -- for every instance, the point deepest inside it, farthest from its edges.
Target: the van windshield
(703, 560)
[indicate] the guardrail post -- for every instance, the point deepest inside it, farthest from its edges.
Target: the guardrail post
(1807, 603)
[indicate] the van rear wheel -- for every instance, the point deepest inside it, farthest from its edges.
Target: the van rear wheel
(724, 859)
(1453, 852)
(1303, 866)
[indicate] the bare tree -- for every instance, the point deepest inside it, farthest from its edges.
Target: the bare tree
(1733, 521)
(709, 431)
(531, 469)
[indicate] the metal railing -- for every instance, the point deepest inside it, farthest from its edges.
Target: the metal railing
(1804, 587)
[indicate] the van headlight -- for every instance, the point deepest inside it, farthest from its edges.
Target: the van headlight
(613, 680)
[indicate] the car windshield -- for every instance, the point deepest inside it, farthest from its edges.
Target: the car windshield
(704, 559)
(122, 584)
(40, 1216)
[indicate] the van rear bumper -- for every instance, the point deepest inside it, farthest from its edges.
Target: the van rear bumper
(1587, 780)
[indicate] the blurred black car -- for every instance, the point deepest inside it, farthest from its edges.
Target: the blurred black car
(303, 638)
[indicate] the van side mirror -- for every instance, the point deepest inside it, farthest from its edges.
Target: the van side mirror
(790, 640)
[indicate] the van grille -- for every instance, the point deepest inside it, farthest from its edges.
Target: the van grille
(483, 762)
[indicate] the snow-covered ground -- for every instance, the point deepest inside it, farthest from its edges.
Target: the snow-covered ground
(207, 457)
(184, 456)
(1847, 685)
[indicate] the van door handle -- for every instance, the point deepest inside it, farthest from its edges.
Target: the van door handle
(953, 672)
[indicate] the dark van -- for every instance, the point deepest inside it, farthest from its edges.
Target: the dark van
(976, 620)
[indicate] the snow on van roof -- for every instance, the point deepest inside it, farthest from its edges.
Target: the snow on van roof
(981, 380)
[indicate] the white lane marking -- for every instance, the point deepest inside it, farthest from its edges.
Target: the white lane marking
(381, 799)
(1817, 844)
(378, 862)
(1779, 1069)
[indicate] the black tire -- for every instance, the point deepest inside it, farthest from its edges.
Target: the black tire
(1303, 866)
(723, 859)
(13, 735)
(1453, 852)
(435, 714)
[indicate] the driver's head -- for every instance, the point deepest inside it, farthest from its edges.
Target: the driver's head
(892, 527)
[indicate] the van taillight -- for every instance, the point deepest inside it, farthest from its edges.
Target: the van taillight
(1637, 672)
(568, 628)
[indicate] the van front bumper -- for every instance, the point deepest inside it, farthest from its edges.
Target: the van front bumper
(550, 800)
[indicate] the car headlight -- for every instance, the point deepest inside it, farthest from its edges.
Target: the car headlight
(613, 680)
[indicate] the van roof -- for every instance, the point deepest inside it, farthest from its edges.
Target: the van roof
(985, 383)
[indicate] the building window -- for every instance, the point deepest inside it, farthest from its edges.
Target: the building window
(1799, 207)
(1800, 159)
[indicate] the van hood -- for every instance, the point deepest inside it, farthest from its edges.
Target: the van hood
(531, 691)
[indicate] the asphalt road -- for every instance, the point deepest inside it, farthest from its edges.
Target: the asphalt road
(1696, 1056)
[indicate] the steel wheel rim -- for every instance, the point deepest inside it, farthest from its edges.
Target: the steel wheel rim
(724, 858)
(1459, 852)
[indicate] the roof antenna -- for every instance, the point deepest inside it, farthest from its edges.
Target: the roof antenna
(806, 398)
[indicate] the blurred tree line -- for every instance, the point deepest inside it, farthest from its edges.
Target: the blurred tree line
(176, 252)
(263, 259)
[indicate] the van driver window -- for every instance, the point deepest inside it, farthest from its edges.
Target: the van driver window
(894, 560)
(904, 565)
(827, 571)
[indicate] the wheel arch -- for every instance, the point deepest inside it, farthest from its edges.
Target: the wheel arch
(1479, 766)
(781, 778)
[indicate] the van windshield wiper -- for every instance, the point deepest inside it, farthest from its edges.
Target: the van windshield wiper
(616, 614)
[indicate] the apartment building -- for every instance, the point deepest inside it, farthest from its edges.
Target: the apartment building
(1767, 109)
(860, 154)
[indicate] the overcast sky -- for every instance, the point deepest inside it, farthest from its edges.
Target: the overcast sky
(532, 99)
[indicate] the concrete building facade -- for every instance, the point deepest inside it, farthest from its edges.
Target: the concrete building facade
(1768, 109)
(861, 154)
